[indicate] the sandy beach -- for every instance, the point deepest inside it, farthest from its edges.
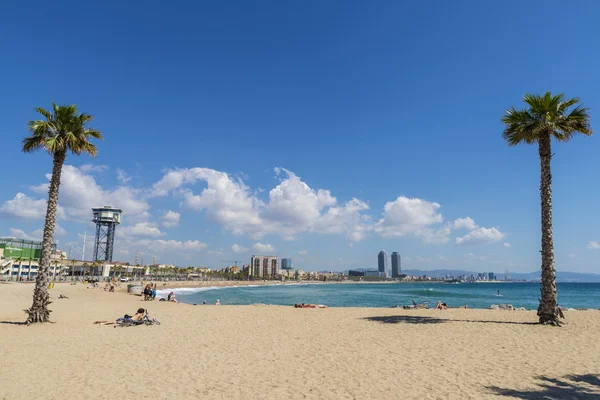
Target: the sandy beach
(274, 352)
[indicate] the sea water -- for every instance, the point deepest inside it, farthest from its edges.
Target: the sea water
(475, 295)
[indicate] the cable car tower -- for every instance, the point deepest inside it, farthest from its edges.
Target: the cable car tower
(106, 220)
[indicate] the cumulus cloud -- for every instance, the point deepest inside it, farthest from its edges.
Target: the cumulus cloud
(507, 245)
(465, 223)
(302, 252)
(170, 219)
(263, 248)
(20, 234)
(592, 245)
(293, 206)
(23, 206)
(175, 245)
(412, 216)
(141, 229)
(79, 193)
(236, 248)
(58, 231)
(480, 236)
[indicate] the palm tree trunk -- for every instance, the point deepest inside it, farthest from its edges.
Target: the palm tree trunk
(548, 310)
(41, 298)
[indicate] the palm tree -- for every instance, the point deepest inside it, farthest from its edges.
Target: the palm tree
(546, 117)
(62, 130)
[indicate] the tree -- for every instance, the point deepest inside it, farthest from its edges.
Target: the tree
(546, 117)
(62, 130)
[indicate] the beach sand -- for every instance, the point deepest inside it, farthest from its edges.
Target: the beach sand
(273, 352)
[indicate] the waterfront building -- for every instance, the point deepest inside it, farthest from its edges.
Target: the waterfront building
(286, 263)
(264, 266)
(396, 265)
(491, 276)
(19, 259)
(382, 261)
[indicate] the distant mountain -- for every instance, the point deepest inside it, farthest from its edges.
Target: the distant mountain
(561, 276)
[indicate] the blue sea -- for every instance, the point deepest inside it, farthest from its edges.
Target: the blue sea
(475, 295)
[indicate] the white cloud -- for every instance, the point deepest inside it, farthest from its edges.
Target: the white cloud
(89, 168)
(465, 223)
(79, 193)
(23, 206)
(236, 248)
(293, 206)
(122, 176)
(170, 219)
(141, 230)
(572, 255)
(20, 234)
(216, 252)
(481, 236)
(174, 245)
(507, 245)
(302, 252)
(593, 245)
(58, 231)
(346, 219)
(263, 248)
(412, 217)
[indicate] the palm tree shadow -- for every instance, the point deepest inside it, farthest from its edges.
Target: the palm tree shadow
(415, 319)
(582, 387)
(406, 319)
(13, 323)
(497, 322)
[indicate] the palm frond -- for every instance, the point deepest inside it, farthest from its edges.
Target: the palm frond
(64, 129)
(545, 115)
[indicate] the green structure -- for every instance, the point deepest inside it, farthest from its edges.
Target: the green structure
(14, 249)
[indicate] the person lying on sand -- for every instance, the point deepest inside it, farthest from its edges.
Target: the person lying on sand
(441, 306)
(138, 316)
(62, 296)
(303, 305)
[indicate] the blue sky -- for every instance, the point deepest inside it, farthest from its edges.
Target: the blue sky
(323, 131)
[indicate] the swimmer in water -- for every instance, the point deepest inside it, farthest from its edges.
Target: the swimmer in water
(499, 293)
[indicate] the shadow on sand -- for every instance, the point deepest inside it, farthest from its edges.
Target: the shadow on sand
(13, 323)
(415, 319)
(582, 387)
(407, 319)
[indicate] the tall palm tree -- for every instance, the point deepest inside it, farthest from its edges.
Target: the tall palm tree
(546, 117)
(62, 130)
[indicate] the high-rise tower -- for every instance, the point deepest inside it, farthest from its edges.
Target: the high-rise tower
(106, 220)
(383, 261)
(396, 265)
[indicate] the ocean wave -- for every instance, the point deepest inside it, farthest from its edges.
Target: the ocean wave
(192, 290)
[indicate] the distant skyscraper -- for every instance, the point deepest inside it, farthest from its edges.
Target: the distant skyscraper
(396, 265)
(286, 263)
(383, 261)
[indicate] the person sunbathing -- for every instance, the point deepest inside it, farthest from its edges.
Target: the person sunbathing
(138, 316)
(303, 305)
(441, 306)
